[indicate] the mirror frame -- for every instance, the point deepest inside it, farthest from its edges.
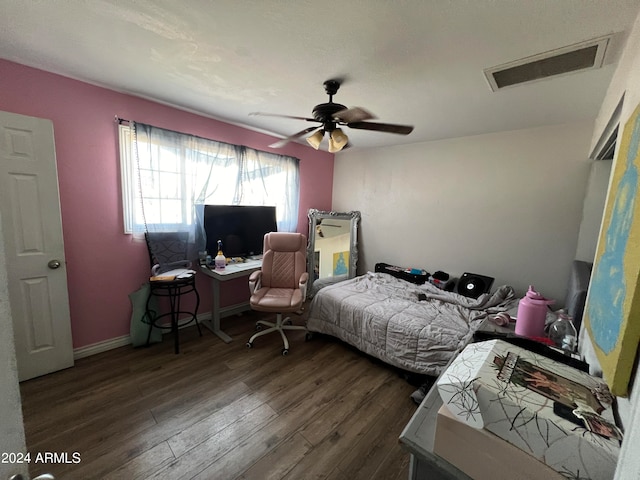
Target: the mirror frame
(315, 216)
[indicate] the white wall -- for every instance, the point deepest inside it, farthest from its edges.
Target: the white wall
(12, 431)
(593, 210)
(507, 205)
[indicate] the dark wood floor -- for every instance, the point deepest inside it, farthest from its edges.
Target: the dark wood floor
(222, 411)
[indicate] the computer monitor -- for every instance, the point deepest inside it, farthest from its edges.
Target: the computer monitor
(240, 227)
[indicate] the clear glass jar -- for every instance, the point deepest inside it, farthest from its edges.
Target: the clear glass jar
(563, 333)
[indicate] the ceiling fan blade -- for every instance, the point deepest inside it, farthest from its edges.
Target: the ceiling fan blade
(354, 114)
(262, 114)
(382, 127)
(284, 141)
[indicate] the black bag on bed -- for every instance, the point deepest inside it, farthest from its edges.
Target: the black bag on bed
(409, 274)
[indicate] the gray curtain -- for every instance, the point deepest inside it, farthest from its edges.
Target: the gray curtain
(178, 173)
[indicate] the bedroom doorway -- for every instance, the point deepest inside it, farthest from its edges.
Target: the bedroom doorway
(34, 248)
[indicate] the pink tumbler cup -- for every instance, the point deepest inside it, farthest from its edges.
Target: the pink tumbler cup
(532, 313)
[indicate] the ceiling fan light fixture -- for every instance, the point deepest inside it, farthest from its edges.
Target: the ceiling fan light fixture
(315, 139)
(331, 114)
(337, 140)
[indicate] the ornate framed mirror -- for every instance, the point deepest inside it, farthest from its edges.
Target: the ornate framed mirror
(332, 252)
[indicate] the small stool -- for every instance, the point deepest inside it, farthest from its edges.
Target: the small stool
(173, 290)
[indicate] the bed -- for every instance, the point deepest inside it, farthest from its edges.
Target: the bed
(385, 317)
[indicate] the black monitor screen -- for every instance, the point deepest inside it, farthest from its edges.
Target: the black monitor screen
(241, 228)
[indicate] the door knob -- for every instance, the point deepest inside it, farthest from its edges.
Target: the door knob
(53, 264)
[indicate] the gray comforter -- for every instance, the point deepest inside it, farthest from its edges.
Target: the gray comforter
(382, 316)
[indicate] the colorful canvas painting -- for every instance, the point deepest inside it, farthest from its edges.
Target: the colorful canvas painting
(340, 263)
(612, 313)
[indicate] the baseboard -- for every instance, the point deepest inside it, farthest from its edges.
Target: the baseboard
(100, 347)
(117, 342)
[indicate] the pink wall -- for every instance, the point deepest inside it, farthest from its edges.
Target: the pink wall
(103, 264)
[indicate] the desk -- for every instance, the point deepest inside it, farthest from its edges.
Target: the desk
(418, 437)
(232, 271)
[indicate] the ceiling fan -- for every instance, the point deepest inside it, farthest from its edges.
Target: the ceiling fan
(331, 116)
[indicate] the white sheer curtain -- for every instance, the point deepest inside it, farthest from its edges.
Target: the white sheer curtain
(177, 172)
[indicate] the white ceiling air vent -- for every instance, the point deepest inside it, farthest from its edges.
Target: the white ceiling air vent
(581, 56)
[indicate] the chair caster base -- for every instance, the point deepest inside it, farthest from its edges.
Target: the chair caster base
(285, 352)
(249, 345)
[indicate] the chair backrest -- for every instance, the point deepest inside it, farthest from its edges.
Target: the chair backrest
(167, 249)
(284, 259)
(577, 290)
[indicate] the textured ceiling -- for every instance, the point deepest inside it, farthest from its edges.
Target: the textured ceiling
(414, 62)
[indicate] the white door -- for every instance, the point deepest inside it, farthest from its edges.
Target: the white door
(34, 250)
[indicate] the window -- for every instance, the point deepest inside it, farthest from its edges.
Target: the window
(165, 174)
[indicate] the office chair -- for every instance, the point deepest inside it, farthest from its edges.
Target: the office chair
(171, 277)
(281, 285)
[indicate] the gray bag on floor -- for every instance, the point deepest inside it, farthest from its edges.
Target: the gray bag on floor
(140, 329)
